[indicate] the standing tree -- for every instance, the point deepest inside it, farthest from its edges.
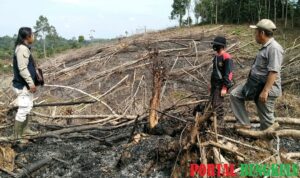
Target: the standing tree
(197, 11)
(52, 39)
(81, 39)
(216, 15)
(275, 11)
(179, 10)
(188, 9)
(204, 9)
(187, 22)
(286, 13)
(43, 29)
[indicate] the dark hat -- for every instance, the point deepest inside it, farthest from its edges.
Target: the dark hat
(219, 40)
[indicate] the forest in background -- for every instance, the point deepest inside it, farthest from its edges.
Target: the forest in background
(283, 12)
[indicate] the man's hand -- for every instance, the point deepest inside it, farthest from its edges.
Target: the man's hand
(269, 83)
(223, 91)
(32, 89)
(263, 96)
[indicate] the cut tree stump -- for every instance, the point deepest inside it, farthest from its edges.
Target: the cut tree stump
(158, 75)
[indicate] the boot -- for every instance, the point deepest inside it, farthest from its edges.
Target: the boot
(26, 130)
(18, 130)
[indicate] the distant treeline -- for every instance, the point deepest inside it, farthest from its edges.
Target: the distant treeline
(48, 42)
(58, 45)
(285, 12)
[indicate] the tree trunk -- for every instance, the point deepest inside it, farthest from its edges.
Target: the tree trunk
(282, 10)
(189, 15)
(158, 73)
(269, 7)
(212, 7)
(265, 9)
(197, 19)
(239, 12)
(44, 46)
(259, 10)
(216, 20)
(249, 11)
(275, 11)
(286, 13)
(292, 16)
(180, 20)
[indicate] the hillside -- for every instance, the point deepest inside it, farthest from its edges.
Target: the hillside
(109, 137)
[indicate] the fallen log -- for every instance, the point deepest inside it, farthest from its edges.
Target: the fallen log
(25, 172)
(8, 172)
(98, 126)
(218, 145)
(288, 133)
(238, 142)
(280, 120)
(270, 133)
(81, 128)
(85, 116)
(58, 104)
(292, 155)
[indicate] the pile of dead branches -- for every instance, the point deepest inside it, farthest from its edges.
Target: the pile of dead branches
(137, 81)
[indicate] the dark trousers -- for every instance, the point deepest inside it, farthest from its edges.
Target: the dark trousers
(217, 102)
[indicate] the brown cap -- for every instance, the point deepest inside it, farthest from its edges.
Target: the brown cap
(265, 24)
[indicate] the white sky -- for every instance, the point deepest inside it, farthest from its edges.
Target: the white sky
(109, 18)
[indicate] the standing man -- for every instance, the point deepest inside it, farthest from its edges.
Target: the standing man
(221, 76)
(263, 85)
(24, 81)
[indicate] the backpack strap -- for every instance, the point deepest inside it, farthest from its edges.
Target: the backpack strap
(217, 68)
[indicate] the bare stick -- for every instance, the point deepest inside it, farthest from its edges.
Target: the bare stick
(203, 158)
(238, 142)
(85, 93)
(110, 90)
(224, 148)
(8, 172)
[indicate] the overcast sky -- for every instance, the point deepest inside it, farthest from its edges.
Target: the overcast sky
(109, 18)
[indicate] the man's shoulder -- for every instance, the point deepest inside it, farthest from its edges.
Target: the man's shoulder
(226, 56)
(276, 45)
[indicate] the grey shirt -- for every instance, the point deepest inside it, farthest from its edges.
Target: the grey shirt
(269, 58)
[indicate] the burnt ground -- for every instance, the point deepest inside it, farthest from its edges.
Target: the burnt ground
(152, 156)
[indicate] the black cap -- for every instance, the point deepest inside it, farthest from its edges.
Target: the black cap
(219, 40)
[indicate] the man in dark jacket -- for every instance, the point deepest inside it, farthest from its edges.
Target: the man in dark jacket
(221, 77)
